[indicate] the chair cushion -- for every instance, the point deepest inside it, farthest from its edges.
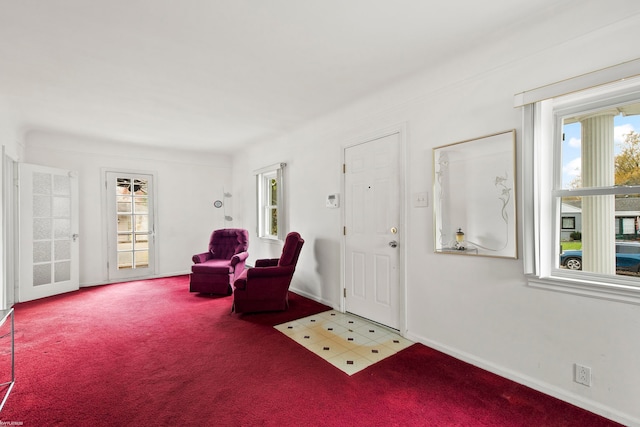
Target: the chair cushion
(213, 266)
(227, 242)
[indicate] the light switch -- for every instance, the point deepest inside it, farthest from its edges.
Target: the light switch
(421, 200)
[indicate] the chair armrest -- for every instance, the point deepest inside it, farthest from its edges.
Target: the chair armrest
(267, 262)
(200, 258)
(239, 257)
(262, 276)
(259, 272)
(240, 283)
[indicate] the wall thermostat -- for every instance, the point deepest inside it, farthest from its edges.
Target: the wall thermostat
(333, 200)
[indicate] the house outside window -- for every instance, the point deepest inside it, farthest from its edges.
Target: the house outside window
(270, 202)
(585, 176)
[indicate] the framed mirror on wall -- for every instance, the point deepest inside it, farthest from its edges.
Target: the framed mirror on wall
(475, 196)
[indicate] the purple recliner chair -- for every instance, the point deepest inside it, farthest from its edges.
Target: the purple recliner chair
(265, 287)
(214, 271)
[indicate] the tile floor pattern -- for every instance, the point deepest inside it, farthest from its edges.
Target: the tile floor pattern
(348, 342)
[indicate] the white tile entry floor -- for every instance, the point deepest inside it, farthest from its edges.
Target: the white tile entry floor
(348, 342)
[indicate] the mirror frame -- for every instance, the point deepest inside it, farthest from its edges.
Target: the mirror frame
(474, 197)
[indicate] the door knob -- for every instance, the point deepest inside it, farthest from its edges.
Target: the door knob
(393, 244)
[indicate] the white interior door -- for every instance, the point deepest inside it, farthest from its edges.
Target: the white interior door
(48, 232)
(130, 225)
(372, 242)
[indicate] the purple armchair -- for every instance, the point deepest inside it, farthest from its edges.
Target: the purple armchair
(214, 271)
(265, 287)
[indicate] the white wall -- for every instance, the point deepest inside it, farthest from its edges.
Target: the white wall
(187, 185)
(479, 309)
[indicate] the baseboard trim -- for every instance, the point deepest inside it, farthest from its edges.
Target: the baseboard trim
(313, 297)
(156, 276)
(543, 387)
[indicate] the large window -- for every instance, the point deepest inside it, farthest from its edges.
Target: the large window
(582, 155)
(270, 201)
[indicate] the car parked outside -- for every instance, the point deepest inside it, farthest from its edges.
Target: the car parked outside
(627, 257)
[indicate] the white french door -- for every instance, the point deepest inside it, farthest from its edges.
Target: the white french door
(372, 221)
(130, 225)
(48, 232)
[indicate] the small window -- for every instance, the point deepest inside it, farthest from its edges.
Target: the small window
(568, 223)
(627, 228)
(270, 202)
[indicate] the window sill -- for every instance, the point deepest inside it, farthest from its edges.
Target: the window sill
(589, 288)
(269, 239)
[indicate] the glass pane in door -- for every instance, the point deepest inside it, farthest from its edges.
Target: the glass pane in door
(42, 251)
(142, 223)
(124, 204)
(125, 260)
(142, 259)
(41, 183)
(41, 274)
(125, 242)
(62, 271)
(142, 205)
(62, 250)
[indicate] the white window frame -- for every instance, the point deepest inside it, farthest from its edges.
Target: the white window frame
(540, 157)
(263, 178)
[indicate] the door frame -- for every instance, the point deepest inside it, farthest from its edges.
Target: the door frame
(10, 215)
(401, 130)
(105, 222)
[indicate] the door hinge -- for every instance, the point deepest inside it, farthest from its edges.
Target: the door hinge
(344, 231)
(344, 168)
(344, 292)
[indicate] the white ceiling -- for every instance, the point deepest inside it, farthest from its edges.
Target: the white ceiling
(217, 74)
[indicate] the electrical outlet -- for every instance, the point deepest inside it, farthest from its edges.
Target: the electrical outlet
(583, 375)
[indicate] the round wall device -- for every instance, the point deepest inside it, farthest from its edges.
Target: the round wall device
(217, 204)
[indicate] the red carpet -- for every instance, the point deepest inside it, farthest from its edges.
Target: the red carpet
(149, 353)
